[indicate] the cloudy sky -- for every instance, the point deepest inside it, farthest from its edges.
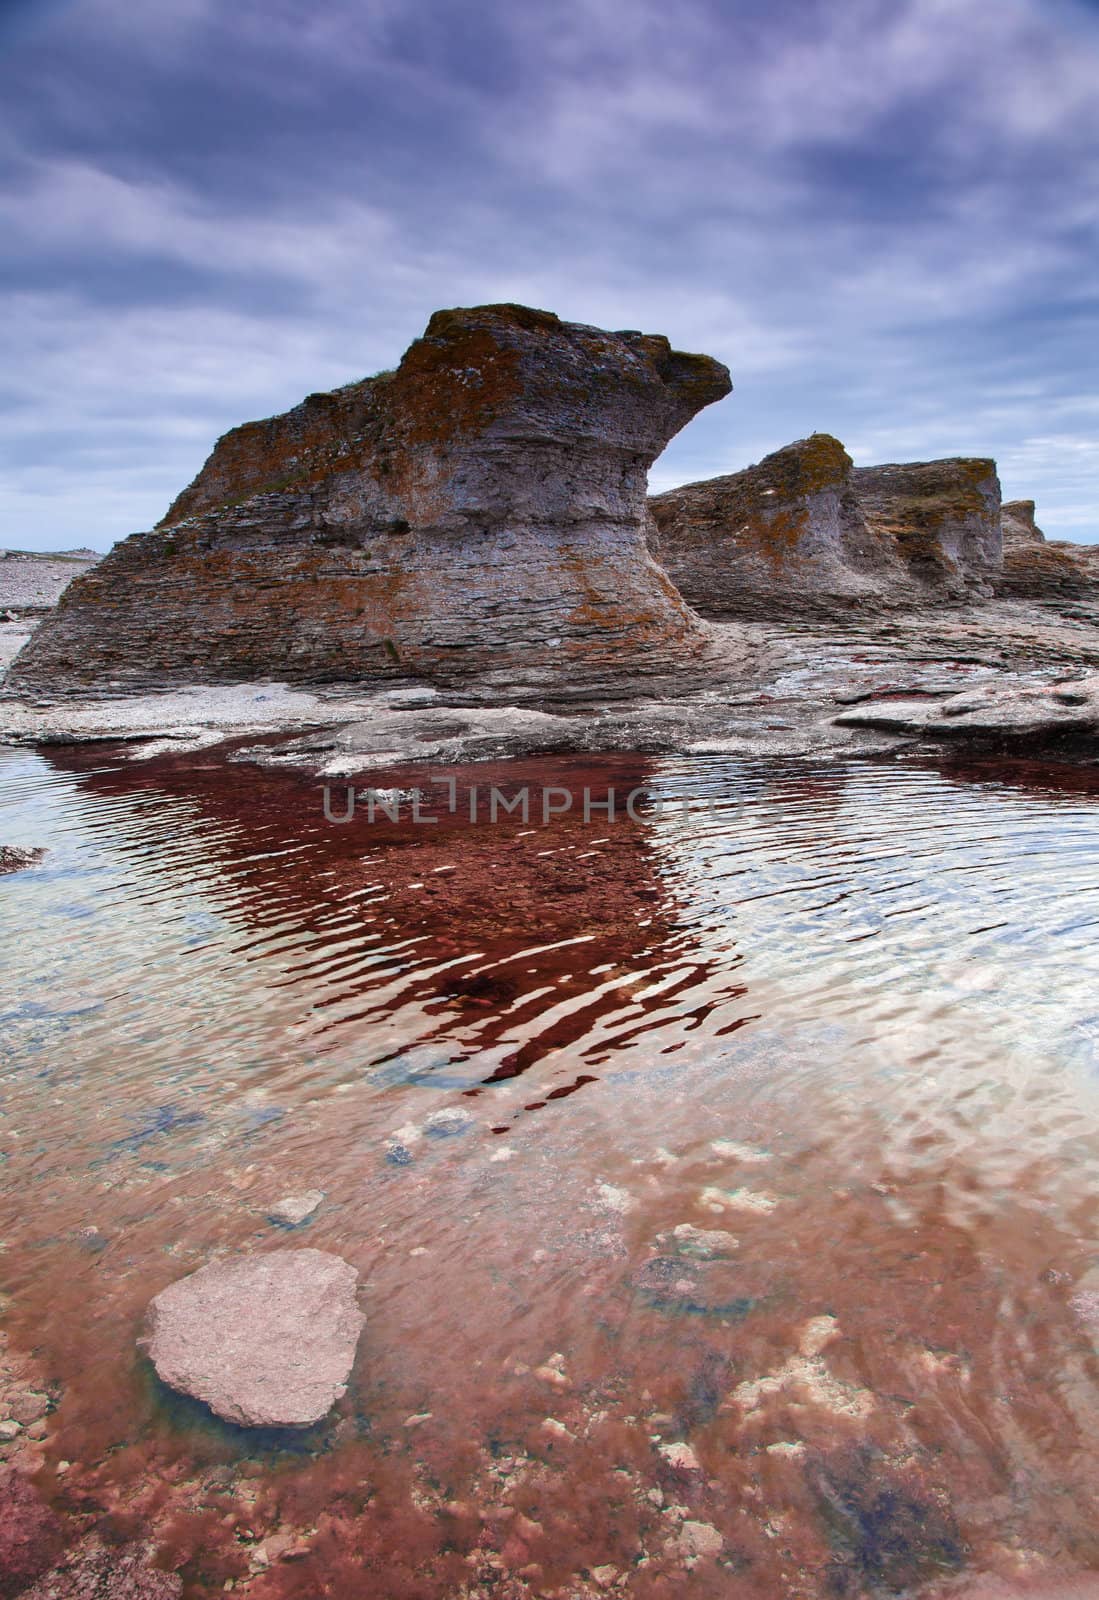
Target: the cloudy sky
(882, 214)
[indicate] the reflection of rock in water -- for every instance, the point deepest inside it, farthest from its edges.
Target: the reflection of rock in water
(459, 899)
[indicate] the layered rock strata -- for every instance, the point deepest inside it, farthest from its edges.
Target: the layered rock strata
(804, 531)
(480, 509)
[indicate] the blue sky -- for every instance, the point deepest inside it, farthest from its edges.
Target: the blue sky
(882, 214)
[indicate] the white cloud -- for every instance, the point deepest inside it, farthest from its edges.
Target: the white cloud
(881, 216)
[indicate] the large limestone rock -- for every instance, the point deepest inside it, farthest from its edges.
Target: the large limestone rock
(481, 509)
(805, 532)
(784, 536)
(265, 1341)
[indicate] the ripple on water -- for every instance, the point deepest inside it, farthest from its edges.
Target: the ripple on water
(838, 1019)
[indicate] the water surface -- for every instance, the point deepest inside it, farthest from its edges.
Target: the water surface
(839, 1019)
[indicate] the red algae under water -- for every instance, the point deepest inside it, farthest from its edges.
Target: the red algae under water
(754, 1255)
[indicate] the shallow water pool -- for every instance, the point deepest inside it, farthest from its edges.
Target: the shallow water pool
(754, 1249)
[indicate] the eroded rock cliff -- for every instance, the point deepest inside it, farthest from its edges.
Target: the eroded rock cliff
(481, 509)
(804, 531)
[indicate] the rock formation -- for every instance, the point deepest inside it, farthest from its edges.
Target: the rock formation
(784, 536)
(1037, 568)
(481, 509)
(266, 1341)
(804, 531)
(1018, 526)
(942, 518)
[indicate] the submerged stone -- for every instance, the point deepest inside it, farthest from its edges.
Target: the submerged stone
(95, 1570)
(13, 860)
(266, 1341)
(30, 1533)
(294, 1209)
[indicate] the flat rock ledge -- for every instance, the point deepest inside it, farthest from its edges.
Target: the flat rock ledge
(267, 1341)
(999, 711)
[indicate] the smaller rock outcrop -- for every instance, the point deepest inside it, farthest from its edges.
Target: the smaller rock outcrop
(266, 1341)
(1018, 526)
(784, 536)
(941, 517)
(806, 532)
(1037, 568)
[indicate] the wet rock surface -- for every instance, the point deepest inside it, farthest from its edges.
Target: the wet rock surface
(781, 689)
(13, 860)
(267, 1341)
(30, 1533)
(480, 509)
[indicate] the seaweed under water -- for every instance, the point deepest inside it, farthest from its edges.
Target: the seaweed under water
(721, 1177)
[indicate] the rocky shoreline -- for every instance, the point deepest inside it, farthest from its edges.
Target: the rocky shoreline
(1016, 676)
